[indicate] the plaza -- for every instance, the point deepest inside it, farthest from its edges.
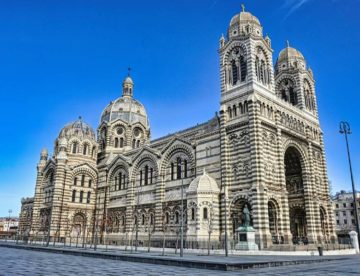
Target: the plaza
(27, 262)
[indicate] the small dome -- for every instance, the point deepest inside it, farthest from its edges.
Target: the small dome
(204, 183)
(44, 152)
(290, 53)
(79, 129)
(128, 80)
(244, 18)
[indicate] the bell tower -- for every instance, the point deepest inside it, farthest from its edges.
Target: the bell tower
(245, 63)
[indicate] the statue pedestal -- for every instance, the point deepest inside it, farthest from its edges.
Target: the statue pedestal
(246, 239)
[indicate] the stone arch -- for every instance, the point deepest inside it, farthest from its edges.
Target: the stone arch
(71, 141)
(85, 170)
(237, 204)
(142, 159)
(274, 214)
(48, 174)
(118, 176)
(88, 144)
(79, 224)
(304, 160)
(266, 54)
(174, 150)
(236, 44)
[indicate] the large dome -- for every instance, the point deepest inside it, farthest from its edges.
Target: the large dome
(79, 129)
(126, 108)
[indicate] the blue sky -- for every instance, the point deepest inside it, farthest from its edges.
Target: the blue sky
(62, 59)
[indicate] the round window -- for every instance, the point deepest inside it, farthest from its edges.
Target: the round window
(119, 130)
(137, 132)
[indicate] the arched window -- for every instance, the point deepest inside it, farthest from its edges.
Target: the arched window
(81, 196)
(192, 213)
(146, 175)
(176, 217)
(123, 220)
(167, 218)
(133, 143)
(75, 181)
(90, 183)
(230, 112)
(73, 196)
(75, 147)
(178, 167)
(120, 178)
(116, 142)
(237, 67)
(235, 72)
(308, 97)
(287, 91)
(138, 144)
(262, 70)
(82, 180)
(141, 178)
(151, 219)
(234, 110)
(241, 110)
(151, 175)
(142, 219)
(205, 213)
(121, 142)
(172, 171)
(88, 197)
(185, 168)
(85, 149)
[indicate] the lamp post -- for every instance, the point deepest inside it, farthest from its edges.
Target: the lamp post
(345, 129)
(226, 234)
(10, 211)
(182, 212)
(182, 221)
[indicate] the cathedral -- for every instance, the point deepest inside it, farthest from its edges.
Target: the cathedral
(263, 150)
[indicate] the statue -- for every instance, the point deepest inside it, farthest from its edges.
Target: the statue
(246, 217)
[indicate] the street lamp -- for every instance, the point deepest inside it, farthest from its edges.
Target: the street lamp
(10, 211)
(345, 129)
(182, 221)
(226, 234)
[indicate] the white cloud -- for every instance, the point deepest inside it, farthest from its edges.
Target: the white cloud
(293, 5)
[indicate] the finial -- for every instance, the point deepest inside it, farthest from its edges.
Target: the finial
(243, 7)
(287, 43)
(129, 70)
(80, 118)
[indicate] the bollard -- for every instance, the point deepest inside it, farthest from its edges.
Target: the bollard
(320, 249)
(354, 241)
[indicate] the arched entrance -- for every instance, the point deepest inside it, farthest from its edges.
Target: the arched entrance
(78, 227)
(298, 225)
(323, 224)
(295, 188)
(273, 222)
(236, 213)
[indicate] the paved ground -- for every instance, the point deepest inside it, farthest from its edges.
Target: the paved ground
(27, 262)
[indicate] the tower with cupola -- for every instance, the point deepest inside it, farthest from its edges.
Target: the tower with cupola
(272, 157)
(124, 123)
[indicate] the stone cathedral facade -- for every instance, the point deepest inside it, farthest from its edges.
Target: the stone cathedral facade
(264, 149)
